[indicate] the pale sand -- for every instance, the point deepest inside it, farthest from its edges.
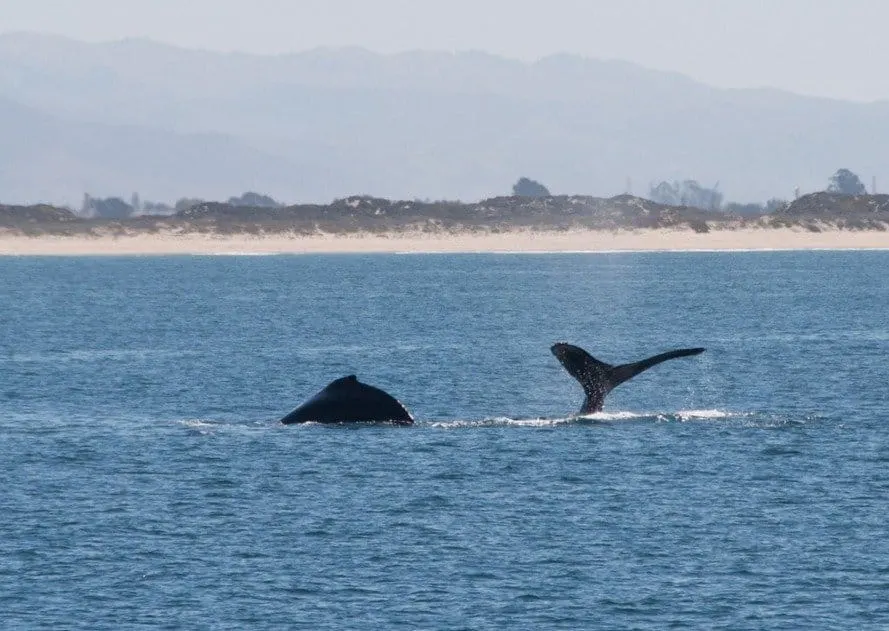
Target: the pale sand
(517, 241)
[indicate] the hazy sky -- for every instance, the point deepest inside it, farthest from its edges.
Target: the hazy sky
(819, 47)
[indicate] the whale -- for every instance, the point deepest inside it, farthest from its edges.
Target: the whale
(347, 400)
(598, 378)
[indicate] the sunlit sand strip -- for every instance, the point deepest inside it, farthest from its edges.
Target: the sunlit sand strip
(443, 242)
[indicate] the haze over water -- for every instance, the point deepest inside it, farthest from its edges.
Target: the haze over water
(146, 482)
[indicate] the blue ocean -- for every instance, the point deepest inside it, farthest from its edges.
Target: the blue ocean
(146, 482)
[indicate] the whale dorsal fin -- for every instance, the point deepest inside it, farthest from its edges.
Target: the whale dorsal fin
(343, 382)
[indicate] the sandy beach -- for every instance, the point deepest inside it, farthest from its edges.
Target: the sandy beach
(513, 241)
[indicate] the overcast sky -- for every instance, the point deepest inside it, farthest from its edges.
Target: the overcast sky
(825, 48)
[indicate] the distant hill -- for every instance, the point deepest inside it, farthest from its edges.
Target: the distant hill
(312, 126)
(48, 159)
(365, 214)
(825, 204)
(17, 218)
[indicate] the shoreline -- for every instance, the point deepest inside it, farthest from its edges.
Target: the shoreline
(161, 244)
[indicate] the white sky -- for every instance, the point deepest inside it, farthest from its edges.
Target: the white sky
(819, 47)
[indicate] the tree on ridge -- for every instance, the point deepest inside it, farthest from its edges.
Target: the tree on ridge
(529, 188)
(844, 182)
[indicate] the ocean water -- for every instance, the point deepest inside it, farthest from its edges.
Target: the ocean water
(146, 483)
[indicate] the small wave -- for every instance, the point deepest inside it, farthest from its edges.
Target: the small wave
(200, 426)
(707, 414)
(589, 419)
(188, 422)
(616, 416)
(759, 419)
(245, 253)
(681, 415)
(90, 355)
(206, 427)
(500, 421)
(666, 250)
(505, 421)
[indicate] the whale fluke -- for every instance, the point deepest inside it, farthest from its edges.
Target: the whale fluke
(347, 400)
(599, 378)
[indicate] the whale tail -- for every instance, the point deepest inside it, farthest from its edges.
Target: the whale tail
(599, 378)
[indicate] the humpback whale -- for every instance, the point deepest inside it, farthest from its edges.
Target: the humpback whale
(599, 378)
(347, 400)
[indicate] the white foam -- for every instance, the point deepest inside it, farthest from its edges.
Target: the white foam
(502, 421)
(705, 414)
(616, 416)
(598, 417)
(196, 422)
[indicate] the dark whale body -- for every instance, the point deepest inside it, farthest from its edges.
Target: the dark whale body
(347, 400)
(599, 378)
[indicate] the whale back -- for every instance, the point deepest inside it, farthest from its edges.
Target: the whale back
(347, 400)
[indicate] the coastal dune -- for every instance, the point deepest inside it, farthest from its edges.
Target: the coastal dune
(137, 243)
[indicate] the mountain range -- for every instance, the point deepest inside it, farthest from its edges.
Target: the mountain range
(166, 122)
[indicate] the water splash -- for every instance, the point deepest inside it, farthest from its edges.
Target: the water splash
(745, 419)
